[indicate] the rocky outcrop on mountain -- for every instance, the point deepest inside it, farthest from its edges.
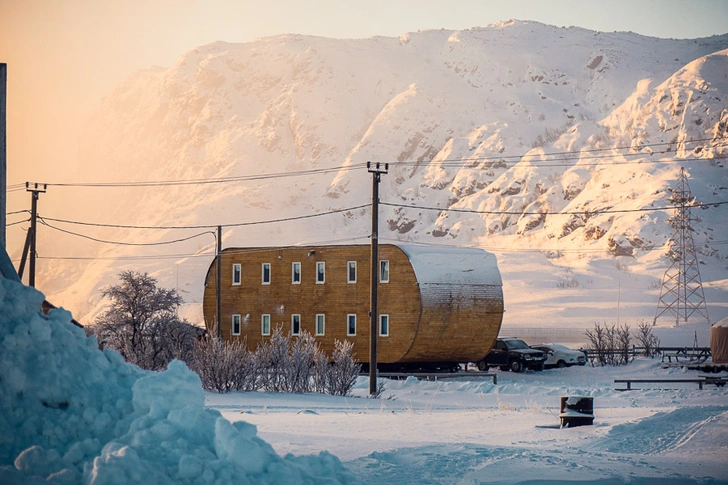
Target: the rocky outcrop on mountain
(518, 130)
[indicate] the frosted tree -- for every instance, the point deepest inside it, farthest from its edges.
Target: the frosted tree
(142, 324)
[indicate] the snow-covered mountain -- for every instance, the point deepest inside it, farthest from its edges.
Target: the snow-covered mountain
(515, 137)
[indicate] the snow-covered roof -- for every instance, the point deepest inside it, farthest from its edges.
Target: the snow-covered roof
(453, 265)
(721, 323)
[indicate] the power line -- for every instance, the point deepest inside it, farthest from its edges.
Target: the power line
(545, 213)
(207, 226)
(565, 156)
(123, 243)
(126, 258)
(17, 222)
(242, 178)
(547, 163)
(512, 249)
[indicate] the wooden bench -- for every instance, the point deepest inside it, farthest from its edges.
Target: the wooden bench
(718, 381)
(434, 376)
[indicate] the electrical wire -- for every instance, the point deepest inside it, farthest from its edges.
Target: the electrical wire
(242, 178)
(207, 226)
(545, 213)
(565, 156)
(16, 223)
(123, 243)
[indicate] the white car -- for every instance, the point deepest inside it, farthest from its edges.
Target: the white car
(558, 355)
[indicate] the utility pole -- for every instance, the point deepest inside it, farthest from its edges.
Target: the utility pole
(376, 171)
(30, 239)
(218, 293)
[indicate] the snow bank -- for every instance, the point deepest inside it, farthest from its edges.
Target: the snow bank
(70, 413)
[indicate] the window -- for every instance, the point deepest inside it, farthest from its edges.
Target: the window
(236, 324)
(265, 324)
(295, 324)
(351, 272)
(296, 273)
(266, 274)
(351, 324)
(384, 271)
(320, 272)
(320, 321)
(384, 325)
(236, 274)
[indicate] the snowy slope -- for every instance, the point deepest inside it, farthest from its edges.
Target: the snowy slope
(518, 128)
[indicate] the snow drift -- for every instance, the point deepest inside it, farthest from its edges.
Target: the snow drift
(70, 413)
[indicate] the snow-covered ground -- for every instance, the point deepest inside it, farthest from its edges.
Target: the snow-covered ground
(468, 430)
(70, 413)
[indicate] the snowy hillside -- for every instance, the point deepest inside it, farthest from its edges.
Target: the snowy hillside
(515, 137)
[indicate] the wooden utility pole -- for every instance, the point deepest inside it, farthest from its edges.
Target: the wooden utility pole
(30, 240)
(218, 293)
(376, 171)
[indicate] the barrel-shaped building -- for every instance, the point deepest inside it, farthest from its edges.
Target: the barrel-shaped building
(435, 304)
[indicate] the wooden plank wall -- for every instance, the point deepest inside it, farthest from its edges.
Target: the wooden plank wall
(458, 329)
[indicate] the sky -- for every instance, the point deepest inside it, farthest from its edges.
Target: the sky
(63, 56)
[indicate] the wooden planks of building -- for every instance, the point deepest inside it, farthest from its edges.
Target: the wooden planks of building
(433, 318)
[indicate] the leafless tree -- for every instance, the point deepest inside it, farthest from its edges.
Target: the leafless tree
(142, 324)
(647, 340)
(610, 344)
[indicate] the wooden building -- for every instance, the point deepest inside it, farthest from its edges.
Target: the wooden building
(435, 304)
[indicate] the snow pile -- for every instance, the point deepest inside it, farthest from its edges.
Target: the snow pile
(70, 413)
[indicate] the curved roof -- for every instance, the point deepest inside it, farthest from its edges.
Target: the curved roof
(453, 265)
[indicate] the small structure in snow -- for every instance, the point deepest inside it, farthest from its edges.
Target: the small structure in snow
(719, 342)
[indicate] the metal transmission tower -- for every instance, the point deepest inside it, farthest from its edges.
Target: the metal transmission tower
(682, 294)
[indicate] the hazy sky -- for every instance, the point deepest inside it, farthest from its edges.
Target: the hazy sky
(63, 56)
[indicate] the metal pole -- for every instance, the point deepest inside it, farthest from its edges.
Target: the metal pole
(218, 293)
(373, 312)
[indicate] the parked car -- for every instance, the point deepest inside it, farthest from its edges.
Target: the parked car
(558, 355)
(512, 354)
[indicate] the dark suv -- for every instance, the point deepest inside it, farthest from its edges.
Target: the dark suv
(514, 354)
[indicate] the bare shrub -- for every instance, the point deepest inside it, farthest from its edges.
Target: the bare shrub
(610, 344)
(223, 366)
(304, 354)
(647, 340)
(281, 364)
(274, 363)
(344, 369)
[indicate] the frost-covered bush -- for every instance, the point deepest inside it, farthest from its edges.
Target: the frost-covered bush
(304, 351)
(297, 364)
(224, 366)
(274, 363)
(343, 371)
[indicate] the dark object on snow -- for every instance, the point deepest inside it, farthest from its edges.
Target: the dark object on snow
(719, 342)
(576, 411)
(512, 354)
